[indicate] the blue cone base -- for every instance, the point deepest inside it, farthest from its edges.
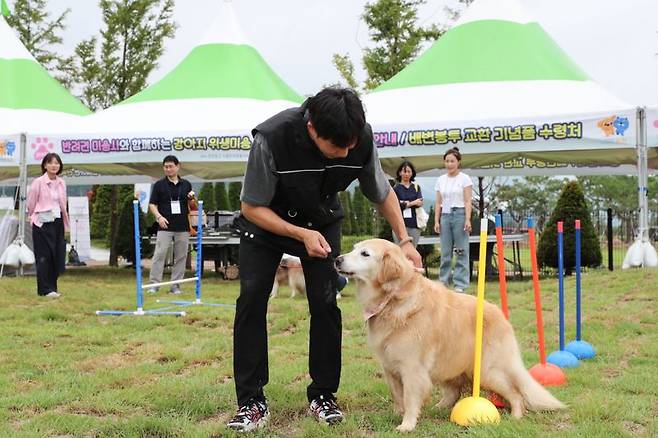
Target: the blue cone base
(581, 349)
(563, 359)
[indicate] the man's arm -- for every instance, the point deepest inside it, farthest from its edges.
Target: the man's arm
(161, 220)
(390, 209)
(316, 245)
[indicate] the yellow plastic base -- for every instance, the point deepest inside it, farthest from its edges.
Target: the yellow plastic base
(473, 410)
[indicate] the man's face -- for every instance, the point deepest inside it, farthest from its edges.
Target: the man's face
(327, 148)
(170, 169)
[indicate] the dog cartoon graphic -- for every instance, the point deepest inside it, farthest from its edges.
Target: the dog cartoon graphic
(607, 125)
(621, 125)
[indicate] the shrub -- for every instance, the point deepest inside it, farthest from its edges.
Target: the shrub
(570, 206)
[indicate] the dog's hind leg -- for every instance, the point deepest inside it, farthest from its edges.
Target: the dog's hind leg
(395, 385)
(500, 383)
(451, 391)
(416, 388)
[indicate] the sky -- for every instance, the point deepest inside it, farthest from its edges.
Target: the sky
(615, 42)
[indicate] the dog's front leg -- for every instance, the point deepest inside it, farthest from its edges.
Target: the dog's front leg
(275, 288)
(416, 387)
(395, 385)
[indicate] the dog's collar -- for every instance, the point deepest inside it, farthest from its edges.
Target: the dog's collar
(368, 314)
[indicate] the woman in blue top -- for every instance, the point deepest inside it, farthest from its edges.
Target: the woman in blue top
(410, 196)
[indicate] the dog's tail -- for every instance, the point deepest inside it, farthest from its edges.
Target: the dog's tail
(535, 396)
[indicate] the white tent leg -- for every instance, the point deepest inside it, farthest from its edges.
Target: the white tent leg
(22, 191)
(642, 252)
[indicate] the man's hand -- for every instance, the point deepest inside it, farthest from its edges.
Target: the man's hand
(437, 227)
(315, 244)
(163, 222)
(468, 227)
(412, 254)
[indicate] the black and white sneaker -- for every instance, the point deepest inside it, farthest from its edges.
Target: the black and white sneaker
(326, 410)
(251, 416)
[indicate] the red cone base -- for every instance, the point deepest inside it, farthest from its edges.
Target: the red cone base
(497, 400)
(548, 374)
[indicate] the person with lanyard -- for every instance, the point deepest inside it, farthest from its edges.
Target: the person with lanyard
(299, 160)
(168, 203)
(410, 197)
(46, 207)
(452, 220)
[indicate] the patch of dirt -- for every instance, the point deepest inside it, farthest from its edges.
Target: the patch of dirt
(224, 379)
(190, 367)
(633, 427)
(26, 385)
(135, 353)
(219, 418)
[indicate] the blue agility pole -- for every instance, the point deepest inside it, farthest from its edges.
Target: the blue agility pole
(579, 348)
(138, 272)
(561, 358)
(199, 268)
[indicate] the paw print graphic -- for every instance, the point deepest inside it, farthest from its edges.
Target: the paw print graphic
(655, 123)
(41, 147)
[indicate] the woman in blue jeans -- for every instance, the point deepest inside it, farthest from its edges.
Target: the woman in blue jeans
(452, 220)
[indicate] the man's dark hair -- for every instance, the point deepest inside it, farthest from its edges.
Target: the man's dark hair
(48, 158)
(170, 159)
(402, 165)
(337, 115)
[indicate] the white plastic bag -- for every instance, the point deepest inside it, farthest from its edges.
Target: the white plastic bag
(11, 256)
(26, 255)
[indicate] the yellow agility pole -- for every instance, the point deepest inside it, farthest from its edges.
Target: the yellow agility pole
(476, 409)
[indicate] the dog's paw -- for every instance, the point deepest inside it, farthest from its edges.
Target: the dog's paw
(405, 427)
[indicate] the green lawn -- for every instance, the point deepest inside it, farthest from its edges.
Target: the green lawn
(66, 372)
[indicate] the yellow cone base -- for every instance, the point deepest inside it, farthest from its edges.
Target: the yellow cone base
(470, 411)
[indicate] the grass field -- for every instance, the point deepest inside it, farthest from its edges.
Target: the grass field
(66, 372)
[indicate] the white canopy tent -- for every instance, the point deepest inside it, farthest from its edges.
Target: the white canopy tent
(499, 88)
(202, 112)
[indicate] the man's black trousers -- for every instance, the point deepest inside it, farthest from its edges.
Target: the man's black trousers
(260, 254)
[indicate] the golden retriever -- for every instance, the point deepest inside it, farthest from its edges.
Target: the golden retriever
(289, 271)
(424, 334)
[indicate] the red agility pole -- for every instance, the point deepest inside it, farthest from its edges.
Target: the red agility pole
(502, 280)
(502, 287)
(545, 373)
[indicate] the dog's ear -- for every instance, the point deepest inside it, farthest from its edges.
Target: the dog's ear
(390, 269)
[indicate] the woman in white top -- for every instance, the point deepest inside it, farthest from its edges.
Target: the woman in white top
(452, 220)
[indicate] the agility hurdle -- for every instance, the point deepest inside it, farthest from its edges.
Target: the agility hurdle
(475, 409)
(561, 357)
(138, 272)
(578, 347)
(199, 264)
(544, 372)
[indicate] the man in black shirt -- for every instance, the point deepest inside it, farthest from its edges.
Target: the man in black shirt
(300, 159)
(168, 203)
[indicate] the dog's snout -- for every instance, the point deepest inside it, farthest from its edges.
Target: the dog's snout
(338, 261)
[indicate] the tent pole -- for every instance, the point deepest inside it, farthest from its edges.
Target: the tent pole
(22, 191)
(643, 181)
